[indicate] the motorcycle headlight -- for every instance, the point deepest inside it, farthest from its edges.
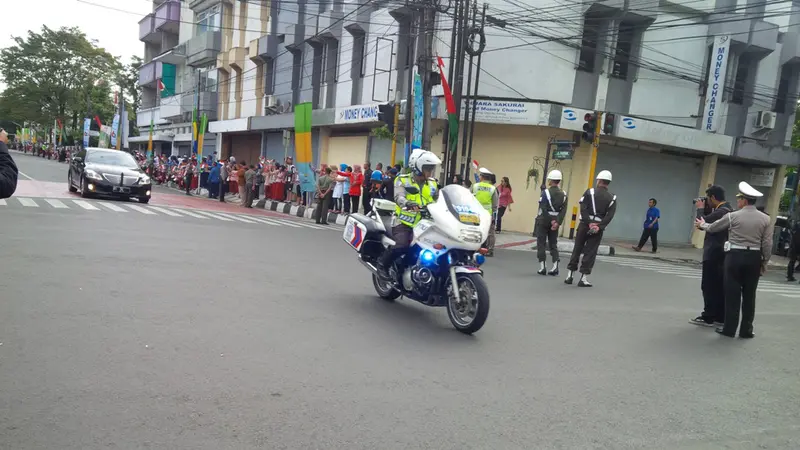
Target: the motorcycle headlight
(472, 236)
(89, 173)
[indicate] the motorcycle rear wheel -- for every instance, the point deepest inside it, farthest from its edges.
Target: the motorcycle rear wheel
(470, 315)
(384, 289)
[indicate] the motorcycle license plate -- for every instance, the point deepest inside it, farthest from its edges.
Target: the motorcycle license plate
(354, 234)
(471, 219)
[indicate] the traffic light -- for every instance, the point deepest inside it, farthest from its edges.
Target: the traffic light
(386, 115)
(608, 125)
(590, 126)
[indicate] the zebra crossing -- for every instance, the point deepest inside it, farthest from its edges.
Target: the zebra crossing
(103, 206)
(788, 290)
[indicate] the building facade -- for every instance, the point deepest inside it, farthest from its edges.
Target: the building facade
(701, 92)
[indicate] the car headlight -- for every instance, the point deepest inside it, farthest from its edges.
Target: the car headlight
(89, 173)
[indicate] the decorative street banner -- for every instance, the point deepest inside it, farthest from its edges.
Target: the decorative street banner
(302, 147)
(114, 128)
(87, 123)
(416, 128)
(105, 136)
(716, 84)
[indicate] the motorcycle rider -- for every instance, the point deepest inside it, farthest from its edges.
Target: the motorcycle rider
(407, 214)
(486, 194)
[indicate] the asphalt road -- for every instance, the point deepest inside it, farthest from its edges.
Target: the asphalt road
(151, 331)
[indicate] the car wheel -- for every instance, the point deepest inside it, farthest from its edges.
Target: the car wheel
(84, 189)
(71, 187)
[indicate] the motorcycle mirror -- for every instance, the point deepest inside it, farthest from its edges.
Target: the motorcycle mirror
(412, 190)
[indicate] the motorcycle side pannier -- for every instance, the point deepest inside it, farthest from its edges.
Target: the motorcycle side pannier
(362, 233)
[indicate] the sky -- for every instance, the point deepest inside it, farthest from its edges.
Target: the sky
(116, 31)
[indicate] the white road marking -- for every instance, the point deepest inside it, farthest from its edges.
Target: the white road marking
(27, 202)
(287, 223)
(113, 207)
(190, 214)
(238, 218)
(790, 295)
(165, 211)
(2, 202)
(214, 216)
(86, 205)
(56, 203)
(26, 176)
(265, 221)
(141, 210)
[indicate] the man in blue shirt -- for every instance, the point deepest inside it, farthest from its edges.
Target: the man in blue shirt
(650, 227)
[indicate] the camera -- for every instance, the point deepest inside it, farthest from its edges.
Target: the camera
(700, 199)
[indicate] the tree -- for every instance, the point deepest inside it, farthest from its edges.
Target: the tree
(129, 79)
(55, 74)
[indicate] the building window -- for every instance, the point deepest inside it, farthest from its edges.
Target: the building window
(622, 55)
(323, 63)
(589, 43)
(740, 81)
(269, 76)
(209, 20)
(782, 99)
(359, 54)
(208, 79)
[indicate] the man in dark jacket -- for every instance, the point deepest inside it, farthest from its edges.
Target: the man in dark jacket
(794, 251)
(713, 258)
(8, 170)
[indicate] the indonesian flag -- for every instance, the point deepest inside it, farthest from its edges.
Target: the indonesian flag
(161, 86)
(452, 118)
(98, 122)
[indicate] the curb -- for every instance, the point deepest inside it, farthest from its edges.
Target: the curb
(306, 212)
(566, 246)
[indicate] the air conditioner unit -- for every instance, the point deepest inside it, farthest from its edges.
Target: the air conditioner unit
(765, 120)
(271, 101)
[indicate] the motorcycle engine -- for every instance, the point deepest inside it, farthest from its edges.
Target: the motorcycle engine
(418, 279)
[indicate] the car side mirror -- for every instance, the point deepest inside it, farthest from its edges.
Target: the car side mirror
(412, 190)
(77, 159)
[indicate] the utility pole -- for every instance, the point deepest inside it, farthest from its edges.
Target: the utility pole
(595, 147)
(472, 51)
(409, 87)
(458, 86)
(446, 144)
(396, 128)
(425, 63)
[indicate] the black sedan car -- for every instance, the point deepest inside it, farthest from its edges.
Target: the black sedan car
(105, 172)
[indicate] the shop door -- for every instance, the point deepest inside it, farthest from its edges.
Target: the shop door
(350, 150)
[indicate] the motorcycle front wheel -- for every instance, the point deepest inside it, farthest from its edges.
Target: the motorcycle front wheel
(469, 315)
(384, 289)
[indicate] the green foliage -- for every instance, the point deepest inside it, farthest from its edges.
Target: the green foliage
(382, 133)
(786, 200)
(60, 74)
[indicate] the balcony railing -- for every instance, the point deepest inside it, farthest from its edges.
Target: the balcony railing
(203, 48)
(168, 17)
(150, 73)
(147, 30)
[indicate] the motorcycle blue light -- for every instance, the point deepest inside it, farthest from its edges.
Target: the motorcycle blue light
(427, 257)
(479, 259)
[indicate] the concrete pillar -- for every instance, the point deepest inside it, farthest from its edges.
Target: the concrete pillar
(706, 180)
(775, 194)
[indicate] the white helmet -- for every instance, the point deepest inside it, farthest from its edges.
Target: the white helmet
(554, 175)
(604, 175)
(420, 160)
(485, 171)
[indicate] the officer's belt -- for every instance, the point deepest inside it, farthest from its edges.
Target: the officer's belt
(744, 247)
(596, 218)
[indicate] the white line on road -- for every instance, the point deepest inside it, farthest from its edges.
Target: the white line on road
(239, 218)
(113, 207)
(27, 202)
(55, 203)
(214, 216)
(790, 295)
(86, 205)
(2, 202)
(306, 225)
(165, 211)
(141, 210)
(287, 223)
(30, 178)
(190, 214)
(265, 221)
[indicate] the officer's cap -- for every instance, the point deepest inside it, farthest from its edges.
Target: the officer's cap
(747, 191)
(484, 171)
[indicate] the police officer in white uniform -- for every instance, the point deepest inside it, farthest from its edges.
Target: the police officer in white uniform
(747, 252)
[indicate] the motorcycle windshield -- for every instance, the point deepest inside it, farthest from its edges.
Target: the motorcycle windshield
(462, 204)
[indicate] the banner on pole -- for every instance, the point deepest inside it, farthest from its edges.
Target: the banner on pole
(87, 124)
(114, 128)
(302, 147)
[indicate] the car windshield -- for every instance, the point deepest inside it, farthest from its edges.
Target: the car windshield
(111, 158)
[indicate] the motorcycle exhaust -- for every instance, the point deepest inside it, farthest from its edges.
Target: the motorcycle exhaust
(369, 266)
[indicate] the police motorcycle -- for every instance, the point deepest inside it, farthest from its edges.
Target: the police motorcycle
(441, 266)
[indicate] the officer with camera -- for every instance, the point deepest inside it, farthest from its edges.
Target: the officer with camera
(712, 208)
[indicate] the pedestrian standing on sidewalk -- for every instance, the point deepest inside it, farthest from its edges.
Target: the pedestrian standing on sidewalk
(213, 181)
(189, 176)
(504, 193)
(356, 180)
(8, 169)
(345, 173)
(365, 201)
(711, 209)
(241, 181)
(598, 207)
(552, 209)
(223, 180)
(325, 194)
(387, 188)
(249, 184)
(748, 249)
(651, 219)
(794, 251)
(338, 192)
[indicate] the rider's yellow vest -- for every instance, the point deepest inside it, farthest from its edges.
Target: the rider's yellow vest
(484, 192)
(424, 197)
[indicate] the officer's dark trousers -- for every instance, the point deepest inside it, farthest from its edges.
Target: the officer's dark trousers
(713, 287)
(585, 243)
(742, 271)
(792, 262)
(545, 236)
